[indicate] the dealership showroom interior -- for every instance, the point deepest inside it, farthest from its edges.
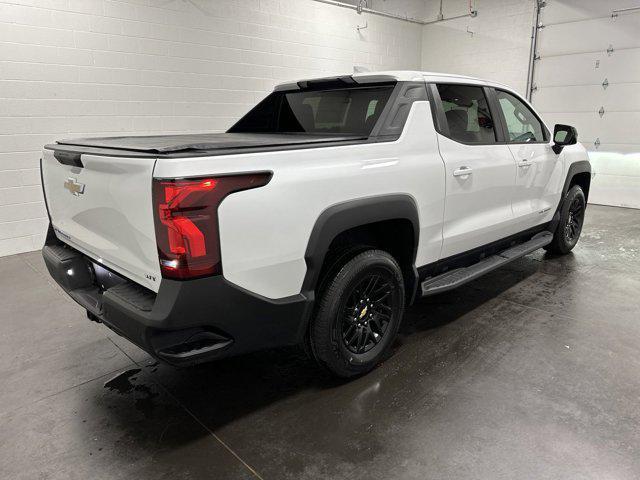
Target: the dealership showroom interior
(320, 239)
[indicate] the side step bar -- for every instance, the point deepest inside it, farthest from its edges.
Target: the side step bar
(453, 279)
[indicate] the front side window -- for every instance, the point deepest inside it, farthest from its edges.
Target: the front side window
(343, 111)
(522, 124)
(467, 112)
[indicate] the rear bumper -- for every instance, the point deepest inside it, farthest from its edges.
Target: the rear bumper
(186, 322)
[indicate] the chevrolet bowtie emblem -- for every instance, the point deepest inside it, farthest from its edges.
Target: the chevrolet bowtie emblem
(74, 186)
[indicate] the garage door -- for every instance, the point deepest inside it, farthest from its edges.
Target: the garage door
(588, 75)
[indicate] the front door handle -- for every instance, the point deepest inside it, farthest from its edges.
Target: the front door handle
(462, 172)
(525, 163)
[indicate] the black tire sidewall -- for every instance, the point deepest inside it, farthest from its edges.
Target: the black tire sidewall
(560, 243)
(326, 337)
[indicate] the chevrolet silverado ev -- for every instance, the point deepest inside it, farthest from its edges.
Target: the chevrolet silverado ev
(316, 219)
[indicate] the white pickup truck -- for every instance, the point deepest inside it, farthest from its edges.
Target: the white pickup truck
(315, 219)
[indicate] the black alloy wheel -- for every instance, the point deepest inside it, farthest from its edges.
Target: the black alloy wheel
(367, 313)
(575, 220)
(358, 313)
(571, 222)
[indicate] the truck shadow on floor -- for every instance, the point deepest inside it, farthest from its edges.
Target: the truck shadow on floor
(226, 391)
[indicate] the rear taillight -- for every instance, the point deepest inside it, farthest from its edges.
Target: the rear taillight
(186, 220)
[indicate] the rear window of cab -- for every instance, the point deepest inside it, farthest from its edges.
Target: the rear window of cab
(343, 111)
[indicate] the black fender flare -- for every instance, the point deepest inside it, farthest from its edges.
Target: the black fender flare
(350, 214)
(583, 166)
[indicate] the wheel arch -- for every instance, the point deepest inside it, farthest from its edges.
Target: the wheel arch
(370, 214)
(579, 173)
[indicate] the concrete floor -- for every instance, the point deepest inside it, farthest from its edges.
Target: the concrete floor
(532, 372)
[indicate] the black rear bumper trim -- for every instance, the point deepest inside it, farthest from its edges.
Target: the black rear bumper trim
(186, 322)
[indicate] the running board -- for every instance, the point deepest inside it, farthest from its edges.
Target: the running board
(454, 278)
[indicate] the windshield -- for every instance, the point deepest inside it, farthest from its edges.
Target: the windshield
(346, 111)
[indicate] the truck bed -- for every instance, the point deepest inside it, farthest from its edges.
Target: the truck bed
(203, 144)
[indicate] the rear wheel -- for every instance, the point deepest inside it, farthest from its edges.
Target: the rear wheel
(358, 314)
(571, 220)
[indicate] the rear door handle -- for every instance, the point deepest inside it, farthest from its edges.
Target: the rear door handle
(524, 163)
(462, 172)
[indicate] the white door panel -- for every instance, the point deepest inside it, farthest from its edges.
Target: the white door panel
(478, 205)
(539, 182)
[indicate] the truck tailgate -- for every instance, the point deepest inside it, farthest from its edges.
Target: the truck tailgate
(104, 209)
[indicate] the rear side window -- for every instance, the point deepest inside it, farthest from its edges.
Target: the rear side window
(343, 111)
(522, 124)
(467, 113)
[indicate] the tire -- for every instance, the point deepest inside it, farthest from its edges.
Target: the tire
(571, 220)
(348, 335)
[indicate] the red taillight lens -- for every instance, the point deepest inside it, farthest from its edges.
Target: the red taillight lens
(186, 220)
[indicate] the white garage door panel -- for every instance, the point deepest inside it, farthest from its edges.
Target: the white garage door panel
(580, 69)
(584, 98)
(614, 127)
(617, 175)
(587, 36)
(573, 64)
(619, 151)
(571, 10)
(619, 160)
(615, 190)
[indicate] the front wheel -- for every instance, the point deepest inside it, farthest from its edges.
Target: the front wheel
(358, 315)
(571, 220)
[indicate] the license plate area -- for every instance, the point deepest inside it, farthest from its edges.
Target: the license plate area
(104, 279)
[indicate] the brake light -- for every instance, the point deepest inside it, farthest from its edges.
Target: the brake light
(186, 221)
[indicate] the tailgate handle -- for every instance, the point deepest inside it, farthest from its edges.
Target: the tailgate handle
(69, 158)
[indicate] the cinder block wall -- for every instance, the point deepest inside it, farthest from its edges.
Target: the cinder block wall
(101, 67)
(494, 45)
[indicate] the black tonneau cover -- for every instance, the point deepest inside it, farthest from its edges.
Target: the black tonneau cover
(210, 142)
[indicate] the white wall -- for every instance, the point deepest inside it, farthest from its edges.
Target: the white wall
(106, 67)
(101, 67)
(497, 50)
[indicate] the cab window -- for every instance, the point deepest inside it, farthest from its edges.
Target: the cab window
(343, 111)
(522, 124)
(467, 113)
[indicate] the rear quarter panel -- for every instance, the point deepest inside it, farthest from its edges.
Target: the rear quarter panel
(264, 232)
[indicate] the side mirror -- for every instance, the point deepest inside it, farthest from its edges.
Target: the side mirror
(563, 135)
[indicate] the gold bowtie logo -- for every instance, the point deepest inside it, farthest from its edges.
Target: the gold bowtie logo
(74, 186)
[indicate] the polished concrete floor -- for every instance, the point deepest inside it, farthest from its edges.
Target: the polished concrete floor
(532, 372)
